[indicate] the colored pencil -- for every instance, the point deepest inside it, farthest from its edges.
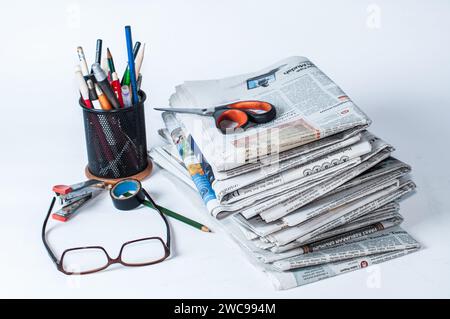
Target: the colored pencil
(176, 216)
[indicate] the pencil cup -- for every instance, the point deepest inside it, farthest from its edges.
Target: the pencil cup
(116, 142)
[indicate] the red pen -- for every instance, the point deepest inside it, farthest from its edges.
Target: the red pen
(117, 88)
(83, 87)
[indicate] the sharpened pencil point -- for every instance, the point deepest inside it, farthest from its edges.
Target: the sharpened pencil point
(206, 229)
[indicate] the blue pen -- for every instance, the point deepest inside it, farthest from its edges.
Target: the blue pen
(131, 66)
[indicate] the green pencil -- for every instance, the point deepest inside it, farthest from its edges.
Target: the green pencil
(177, 216)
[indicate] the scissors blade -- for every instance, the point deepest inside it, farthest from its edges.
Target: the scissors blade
(183, 110)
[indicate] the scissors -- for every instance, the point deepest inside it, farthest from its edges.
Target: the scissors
(235, 115)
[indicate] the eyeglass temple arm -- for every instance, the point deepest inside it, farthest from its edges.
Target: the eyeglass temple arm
(162, 216)
(44, 227)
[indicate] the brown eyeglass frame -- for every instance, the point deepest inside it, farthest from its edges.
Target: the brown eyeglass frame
(59, 263)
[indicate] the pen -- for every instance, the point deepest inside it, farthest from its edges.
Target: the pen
(139, 82)
(93, 95)
(117, 88)
(131, 66)
(91, 88)
(98, 51)
(83, 63)
(104, 103)
(83, 87)
(103, 82)
(126, 74)
(138, 60)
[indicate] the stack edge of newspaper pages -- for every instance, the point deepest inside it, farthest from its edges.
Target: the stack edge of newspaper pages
(310, 195)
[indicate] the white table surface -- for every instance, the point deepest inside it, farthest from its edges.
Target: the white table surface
(396, 68)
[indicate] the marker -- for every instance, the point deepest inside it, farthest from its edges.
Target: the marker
(126, 96)
(103, 82)
(98, 51)
(138, 60)
(117, 88)
(104, 103)
(105, 68)
(126, 74)
(83, 63)
(83, 87)
(93, 95)
(131, 66)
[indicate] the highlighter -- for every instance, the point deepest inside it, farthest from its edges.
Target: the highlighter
(102, 80)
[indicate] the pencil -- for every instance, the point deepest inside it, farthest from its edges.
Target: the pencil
(110, 61)
(126, 75)
(177, 216)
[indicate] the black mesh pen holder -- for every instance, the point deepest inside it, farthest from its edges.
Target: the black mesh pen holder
(116, 142)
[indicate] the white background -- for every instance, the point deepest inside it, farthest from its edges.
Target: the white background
(392, 58)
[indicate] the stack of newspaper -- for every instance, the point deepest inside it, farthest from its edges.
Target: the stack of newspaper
(310, 195)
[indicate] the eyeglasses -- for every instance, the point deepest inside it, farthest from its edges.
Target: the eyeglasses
(87, 260)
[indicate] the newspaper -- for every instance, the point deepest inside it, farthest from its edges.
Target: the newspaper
(383, 241)
(262, 188)
(312, 194)
(330, 155)
(320, 206)
(361, 225)
(344, 197)
(197, 169)
(387, 211)
(366, 221)
(339, 216)
(313, 171)
(165, 160)
(304, 276)
(301, 168)
(290, 233)
(275, 209)
(268, 256)
(273, 163)
(309, 106)
(390, 165)
(202, 176)
(256, 198)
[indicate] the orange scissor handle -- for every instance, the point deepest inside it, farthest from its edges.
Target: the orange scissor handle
(243, 112)
(258, 111)
(230, 119)
(251, 105)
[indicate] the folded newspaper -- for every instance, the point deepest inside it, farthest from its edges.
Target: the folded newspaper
(308, 196)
